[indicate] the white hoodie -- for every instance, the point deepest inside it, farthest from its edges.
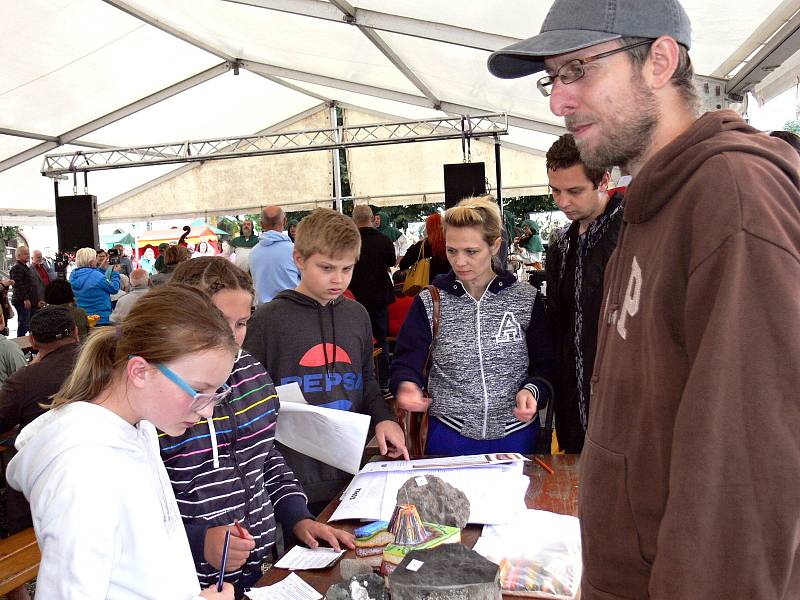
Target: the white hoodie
(103, 508)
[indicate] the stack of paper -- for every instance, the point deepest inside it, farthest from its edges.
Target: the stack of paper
(495, 489)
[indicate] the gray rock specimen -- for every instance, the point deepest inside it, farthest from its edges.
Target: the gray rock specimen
(360, 587)
(436, 500)
(353, 567)
(448, 572)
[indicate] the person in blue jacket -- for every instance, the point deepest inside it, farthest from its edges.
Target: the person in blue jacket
(93, 284)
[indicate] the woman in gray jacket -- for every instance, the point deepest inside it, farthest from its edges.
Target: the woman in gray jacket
(491, 361)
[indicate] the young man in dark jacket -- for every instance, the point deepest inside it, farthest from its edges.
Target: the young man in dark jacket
(575, 266)
(690, 474)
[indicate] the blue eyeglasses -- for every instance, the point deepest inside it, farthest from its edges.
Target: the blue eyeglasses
(199, 401)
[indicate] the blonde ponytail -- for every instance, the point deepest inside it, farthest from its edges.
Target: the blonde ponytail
(93, 370)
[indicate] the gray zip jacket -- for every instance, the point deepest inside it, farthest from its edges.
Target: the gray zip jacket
(486, 351)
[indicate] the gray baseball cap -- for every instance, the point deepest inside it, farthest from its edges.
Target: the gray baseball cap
(574, 24)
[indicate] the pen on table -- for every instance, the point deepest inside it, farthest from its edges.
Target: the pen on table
(544, 465)
(221, 578)
(240, 529)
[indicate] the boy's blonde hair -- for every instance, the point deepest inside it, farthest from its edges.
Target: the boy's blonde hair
(329, 233)
(480, 212)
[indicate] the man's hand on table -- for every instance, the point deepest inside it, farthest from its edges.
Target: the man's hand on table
(238, 549)
(391, 440)
(308, 531)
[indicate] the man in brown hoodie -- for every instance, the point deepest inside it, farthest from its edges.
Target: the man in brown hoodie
(690, 474)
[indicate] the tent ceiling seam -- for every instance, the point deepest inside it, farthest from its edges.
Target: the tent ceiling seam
(113, 116)
(384, 48)
(154, 22)
(403, 97)
(371, 19)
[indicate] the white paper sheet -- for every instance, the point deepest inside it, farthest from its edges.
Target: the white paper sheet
(300, 557)
(445, 462)
(290, 392)
(335, 437)
(291, 588)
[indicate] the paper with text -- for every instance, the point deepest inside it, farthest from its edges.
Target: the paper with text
(291, 588)
(300, 557)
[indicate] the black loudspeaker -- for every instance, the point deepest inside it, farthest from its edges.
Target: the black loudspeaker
(76, 220)
(463, 180)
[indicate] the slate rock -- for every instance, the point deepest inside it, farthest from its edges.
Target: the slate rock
(449, 572)
(436, 500)
(350, 567)
(358, 587)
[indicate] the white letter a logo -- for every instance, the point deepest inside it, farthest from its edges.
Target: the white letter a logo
(509, 329)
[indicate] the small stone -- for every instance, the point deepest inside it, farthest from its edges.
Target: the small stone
(349, 567)
(436, 500)
(358, 587)
(444, 573)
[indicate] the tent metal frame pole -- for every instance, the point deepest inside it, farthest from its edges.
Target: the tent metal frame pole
(357, 136)
(498, 172)
(336, 157)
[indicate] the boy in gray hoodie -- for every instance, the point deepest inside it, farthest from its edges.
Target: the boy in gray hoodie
(314, 336)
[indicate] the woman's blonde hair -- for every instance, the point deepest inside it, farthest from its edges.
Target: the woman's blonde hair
(212, 274)
(480, 212)
(85, 256)
(165, 324)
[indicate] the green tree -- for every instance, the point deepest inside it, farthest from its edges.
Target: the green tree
(792, 125)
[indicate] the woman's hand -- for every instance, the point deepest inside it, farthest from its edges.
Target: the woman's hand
(211, 593)
(391, 440)
(309, 531)
(409, 397)
(526, 406)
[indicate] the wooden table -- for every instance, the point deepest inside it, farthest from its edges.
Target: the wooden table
(557, 493)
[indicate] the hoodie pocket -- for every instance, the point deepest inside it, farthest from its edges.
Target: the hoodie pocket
(612, 561)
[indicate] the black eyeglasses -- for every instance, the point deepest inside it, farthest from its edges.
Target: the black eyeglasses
(573, 70)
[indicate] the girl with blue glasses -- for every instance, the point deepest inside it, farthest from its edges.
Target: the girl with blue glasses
(104, 512)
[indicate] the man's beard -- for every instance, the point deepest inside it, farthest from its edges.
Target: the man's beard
(627, 140)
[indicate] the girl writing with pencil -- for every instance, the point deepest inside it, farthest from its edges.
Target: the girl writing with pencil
(226, 472)
(103, 509)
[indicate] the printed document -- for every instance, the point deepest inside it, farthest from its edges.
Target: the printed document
(291, 588)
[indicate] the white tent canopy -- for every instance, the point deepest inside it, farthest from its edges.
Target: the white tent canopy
(88, 74)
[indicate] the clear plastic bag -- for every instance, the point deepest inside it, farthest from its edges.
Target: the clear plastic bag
(552, 573)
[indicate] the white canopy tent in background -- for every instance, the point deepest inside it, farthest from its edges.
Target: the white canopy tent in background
(89, 74)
